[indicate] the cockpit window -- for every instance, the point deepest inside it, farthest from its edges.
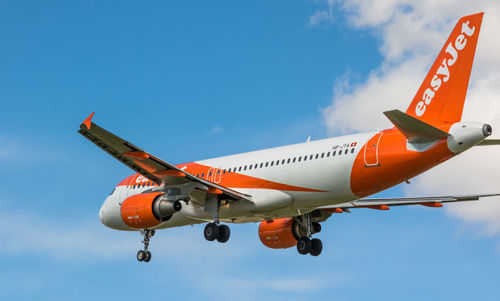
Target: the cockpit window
(112, 191)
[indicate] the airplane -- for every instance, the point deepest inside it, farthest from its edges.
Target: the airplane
(290, 190)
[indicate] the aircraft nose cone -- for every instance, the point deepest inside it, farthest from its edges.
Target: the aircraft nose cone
(487, 130)
(101, 216)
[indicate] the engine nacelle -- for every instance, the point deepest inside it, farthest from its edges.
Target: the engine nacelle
(278, 233)
(148, 210)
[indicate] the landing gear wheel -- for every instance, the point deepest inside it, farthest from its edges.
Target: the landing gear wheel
(316, 247)
(141, 255)
(223, 233)
(147, 256)
(304, 245)
(211, 231)
(316, 227)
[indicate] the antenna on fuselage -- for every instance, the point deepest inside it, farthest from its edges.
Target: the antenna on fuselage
(308, 139)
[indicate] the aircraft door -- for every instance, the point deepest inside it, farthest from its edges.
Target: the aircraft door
(372, 151)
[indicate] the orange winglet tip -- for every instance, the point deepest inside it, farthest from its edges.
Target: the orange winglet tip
(378, 207)
(432, 204)
(137, 155)
(87, 122)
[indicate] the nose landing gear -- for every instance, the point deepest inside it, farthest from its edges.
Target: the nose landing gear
(145, 255)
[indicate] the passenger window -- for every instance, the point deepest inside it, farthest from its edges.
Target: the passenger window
(218, 172)
(322, 155)
(198, 175)
(203, 175)
(133, 187)
(272, 163)
(293, 159)
(305, 158)
(250, 167)
(333, 154)
(245, 168)
(317, 155)
(340, 152)
(267, 163)
(282, 161)
(352, 150)
(239, 169)
(328, 154)
(346, 151)
(277, 162)
(288, 161)
(210, 174)
(224, 172)
(300, 158)
(256, 165)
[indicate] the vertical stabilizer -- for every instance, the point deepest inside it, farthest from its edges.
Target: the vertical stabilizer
(440, 98)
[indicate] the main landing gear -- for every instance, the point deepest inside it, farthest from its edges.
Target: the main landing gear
(145, 255)
(215, 230)
(306, 244)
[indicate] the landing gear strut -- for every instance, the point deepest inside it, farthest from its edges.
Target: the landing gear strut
(306, 244)
(145, 255)
(215, 230)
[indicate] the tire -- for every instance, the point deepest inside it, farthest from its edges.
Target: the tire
(141, 255)
(304, 245)
(224, 233)
(211, 231)
(147, 257)
(316, 227)
(316, 247)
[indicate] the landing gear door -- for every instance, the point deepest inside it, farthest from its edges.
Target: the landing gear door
(372, 151)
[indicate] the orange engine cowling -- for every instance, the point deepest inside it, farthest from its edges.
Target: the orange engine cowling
(278, 233)
(148, 210)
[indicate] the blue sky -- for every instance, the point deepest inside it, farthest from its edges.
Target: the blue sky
(188, 81)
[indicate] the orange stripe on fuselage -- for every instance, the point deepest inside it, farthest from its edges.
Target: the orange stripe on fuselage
(237, 180)
(232, 180)
(395, 163)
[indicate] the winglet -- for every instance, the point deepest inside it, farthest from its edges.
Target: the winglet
(88, 121)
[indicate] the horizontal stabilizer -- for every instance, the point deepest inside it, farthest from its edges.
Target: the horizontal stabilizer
(489, 142)
(415, 130)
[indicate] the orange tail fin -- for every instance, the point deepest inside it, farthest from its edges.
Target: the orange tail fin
(441, 96)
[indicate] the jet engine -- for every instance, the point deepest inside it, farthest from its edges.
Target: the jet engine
(278, 233)
(283, 233)
(148, 210)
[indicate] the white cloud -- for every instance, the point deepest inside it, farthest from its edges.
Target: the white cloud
(411, 33)
(323, 17)
(216, 129)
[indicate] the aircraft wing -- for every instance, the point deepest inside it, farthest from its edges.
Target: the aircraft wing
(384, 204)
(146, 164)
